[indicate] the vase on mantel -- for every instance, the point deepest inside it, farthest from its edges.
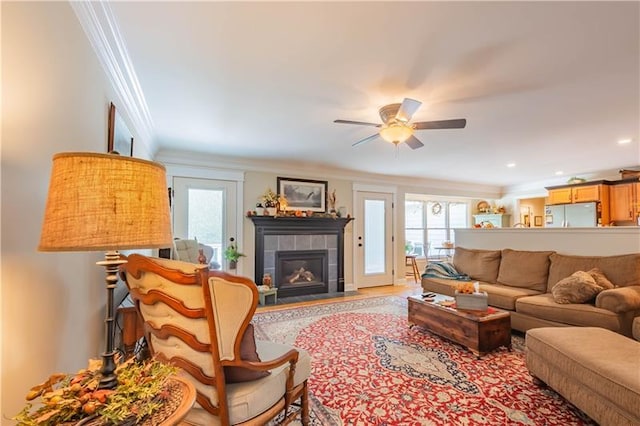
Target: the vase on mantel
(270, 211)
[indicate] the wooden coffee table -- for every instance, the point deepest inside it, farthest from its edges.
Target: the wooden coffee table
(481, 332)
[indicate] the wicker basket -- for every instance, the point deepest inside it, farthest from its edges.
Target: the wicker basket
(472, 302)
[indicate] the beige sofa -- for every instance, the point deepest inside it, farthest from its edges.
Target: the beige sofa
(522, 281)
(595, 369)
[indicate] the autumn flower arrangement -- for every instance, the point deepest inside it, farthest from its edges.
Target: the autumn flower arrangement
(465, 287)
(69, 398)
(269, 198)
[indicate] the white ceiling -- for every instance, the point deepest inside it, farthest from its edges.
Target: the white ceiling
(549, 86)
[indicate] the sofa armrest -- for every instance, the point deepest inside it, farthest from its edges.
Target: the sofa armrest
(620, 299)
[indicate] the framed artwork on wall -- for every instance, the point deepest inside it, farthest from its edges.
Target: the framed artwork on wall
(537, 220)
(119, 137)
(304, 194)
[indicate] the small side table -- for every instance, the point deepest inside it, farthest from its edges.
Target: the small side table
(263, 294)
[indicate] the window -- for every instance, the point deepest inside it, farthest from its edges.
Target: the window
(430, 223)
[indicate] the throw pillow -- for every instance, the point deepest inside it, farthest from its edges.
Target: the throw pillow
(247, 353)
(600, 278)
(481, 265)
(580, 287)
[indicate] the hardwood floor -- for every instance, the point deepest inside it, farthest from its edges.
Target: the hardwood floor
(412, 287)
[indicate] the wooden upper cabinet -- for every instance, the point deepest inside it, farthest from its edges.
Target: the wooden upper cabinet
(559, 196)
(576, 194)
(583, 194)
(622, 202)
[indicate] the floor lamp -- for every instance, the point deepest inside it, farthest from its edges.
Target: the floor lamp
(105, 202)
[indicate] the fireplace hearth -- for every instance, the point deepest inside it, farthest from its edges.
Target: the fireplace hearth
(301, 272)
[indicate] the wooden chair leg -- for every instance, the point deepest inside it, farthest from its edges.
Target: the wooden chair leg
(305, 405)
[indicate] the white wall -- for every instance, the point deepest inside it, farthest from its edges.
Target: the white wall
(55, 98)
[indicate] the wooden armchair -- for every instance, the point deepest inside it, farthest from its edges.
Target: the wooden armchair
(199, 320)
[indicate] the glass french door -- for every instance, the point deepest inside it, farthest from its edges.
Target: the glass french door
(374, 239)
(205, 209)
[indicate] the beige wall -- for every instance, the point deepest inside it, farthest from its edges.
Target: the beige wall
(256, 183)
(55, 98)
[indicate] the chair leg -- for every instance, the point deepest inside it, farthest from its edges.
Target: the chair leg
(305, 405)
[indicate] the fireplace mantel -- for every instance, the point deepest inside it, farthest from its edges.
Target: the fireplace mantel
(269, 225)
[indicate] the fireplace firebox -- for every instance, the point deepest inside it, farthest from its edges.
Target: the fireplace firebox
(300, 272)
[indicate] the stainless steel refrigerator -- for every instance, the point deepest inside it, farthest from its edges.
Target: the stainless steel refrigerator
(571, 215)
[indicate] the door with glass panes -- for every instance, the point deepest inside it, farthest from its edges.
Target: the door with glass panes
(205, 209)
(374, 239)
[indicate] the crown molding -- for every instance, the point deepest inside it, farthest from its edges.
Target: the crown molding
(100, 26)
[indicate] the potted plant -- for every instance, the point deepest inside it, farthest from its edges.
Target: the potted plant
(231, 254)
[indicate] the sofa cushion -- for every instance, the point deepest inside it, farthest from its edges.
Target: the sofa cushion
(500, 296)
(480, 265)
(579, 287)
(582, 314)
(621, 270)
(526, 269)
(504, 297)
(636, 328)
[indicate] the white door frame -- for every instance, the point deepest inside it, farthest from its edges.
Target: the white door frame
(184, 171)
(387, 189)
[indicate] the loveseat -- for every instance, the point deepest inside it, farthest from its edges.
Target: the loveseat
(522, 282)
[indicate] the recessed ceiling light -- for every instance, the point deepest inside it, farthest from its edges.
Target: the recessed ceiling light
(559, 173)
(510, 165)
(624, 141)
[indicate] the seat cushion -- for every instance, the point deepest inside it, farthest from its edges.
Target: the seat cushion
(249, 399)
(500, 296)
(583, 314)
(505, 297)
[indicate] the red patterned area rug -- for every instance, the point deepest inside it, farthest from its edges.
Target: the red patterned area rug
(370, 368)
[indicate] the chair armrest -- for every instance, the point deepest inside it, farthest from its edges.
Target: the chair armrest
(620, 299)
(288, 357)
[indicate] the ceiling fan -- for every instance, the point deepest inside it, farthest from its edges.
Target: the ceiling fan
(395, 127)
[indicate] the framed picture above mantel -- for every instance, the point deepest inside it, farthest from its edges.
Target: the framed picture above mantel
(304, 194)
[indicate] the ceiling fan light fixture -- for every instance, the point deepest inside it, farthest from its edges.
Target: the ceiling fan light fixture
(396, 133)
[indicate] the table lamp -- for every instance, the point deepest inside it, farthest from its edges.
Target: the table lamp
(105, 202)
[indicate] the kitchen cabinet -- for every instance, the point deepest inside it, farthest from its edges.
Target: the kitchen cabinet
(624, 202)
(559, 196)
(497, 220)
(577, 194)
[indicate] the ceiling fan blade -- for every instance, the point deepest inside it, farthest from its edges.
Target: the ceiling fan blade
(414, 143)
(407, 109)
(458, 123)
(362, 123)
(370, 138)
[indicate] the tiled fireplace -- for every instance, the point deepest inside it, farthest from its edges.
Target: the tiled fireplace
(303, 255)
